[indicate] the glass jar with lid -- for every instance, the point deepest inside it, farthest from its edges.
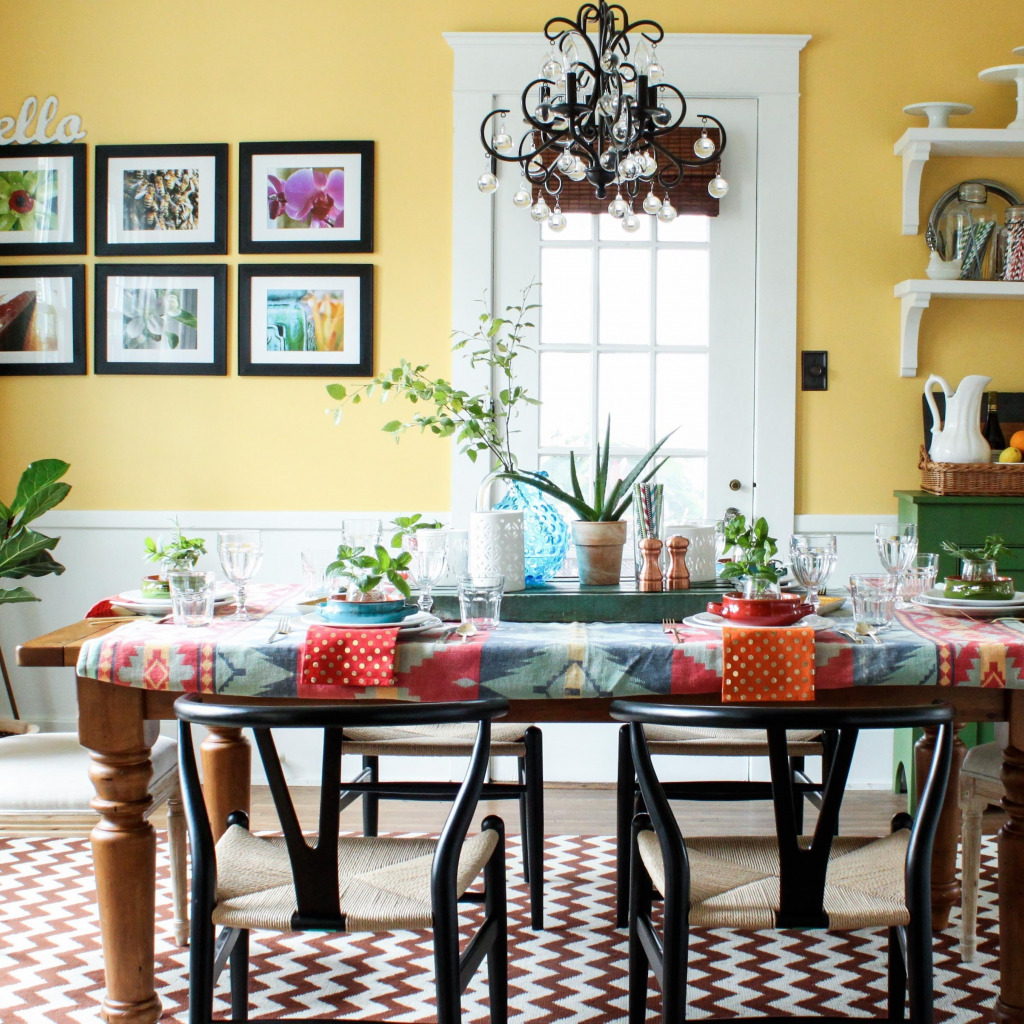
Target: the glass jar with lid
(969, 230)
(1013, 233)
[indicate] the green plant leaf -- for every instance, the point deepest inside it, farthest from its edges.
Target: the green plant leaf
(399, 582)
(542, 483)
(39, 490)
(23, 548)
(186, 318)
(16, 594)
(337, 391)
(392, 426)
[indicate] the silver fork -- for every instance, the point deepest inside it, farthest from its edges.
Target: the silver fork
(671, 626)
(284, 627)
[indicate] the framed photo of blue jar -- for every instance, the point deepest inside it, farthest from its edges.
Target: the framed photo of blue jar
(309, 197)
(42, 200)
(305, 320)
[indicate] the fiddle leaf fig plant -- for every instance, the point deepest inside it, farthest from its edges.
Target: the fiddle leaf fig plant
(756, 551)
(25, 552)
(367, 571)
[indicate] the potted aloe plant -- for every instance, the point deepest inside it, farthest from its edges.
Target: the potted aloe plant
(600, 531)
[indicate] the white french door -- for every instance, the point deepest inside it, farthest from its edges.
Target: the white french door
(655, 329)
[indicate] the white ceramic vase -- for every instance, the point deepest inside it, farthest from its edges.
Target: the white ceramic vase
(700, 555)
(496, 547)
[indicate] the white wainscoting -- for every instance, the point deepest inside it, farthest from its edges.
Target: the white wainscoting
(102, 553)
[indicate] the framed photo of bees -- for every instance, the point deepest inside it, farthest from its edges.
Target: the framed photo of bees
(42, 320)
(305, 320)
(308, 197)
(161, 200)
(42, 200)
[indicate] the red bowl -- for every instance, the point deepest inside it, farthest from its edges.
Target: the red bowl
(761, 611)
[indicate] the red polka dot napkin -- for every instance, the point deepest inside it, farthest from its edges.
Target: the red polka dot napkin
(767, 664)
(348, 656)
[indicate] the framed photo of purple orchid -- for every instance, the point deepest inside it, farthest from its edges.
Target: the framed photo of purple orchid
(159, 318)
(305, 197)
(305, 320)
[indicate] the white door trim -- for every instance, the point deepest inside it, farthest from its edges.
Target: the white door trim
(763, 67)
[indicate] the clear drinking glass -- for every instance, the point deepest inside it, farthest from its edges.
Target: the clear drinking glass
(896, 547)
(812, 557)
(429, 549)
(919, 576)
(240, 552)
(874, 599)
(361, 533)
(315, 581)
(480, 600)
(192, 596)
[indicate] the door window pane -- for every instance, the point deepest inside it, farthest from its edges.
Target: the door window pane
(685, 483)
(567, 405)
(681, 398)
(624, 393)
(687, 227)
(578, 228)
(624, 316)
(566, 289)
(610, 229)
(683, 297)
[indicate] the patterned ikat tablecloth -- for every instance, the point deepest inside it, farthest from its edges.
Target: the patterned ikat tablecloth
(528, 660)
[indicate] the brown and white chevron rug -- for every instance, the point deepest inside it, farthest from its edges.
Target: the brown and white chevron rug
(574, 972)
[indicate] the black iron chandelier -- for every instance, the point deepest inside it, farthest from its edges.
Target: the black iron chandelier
(599, 113)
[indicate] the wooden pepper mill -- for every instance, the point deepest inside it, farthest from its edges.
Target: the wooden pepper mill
(678, 574)
(650, 574)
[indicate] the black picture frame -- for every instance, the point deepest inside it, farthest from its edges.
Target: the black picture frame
(141, 294)
(152, 214)
(67, 237)
(22, 320)
(264, 225)
(278, 300)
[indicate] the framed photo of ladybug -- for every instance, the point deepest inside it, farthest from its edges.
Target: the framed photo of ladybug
(42, 320)
(161, 200)
(42, 200)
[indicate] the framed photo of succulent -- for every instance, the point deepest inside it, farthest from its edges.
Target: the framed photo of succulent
(311, 197)
(153, 318)
(42, 320)
(305, 320)
(42, 200)
(162, 200)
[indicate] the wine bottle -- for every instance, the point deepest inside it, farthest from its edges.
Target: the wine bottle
(993, 431)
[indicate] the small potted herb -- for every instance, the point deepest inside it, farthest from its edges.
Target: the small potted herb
(979, 578)
(180, 552)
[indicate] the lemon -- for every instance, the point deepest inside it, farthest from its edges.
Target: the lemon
(1010, 455)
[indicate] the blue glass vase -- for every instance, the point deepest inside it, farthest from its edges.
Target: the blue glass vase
(545, 531)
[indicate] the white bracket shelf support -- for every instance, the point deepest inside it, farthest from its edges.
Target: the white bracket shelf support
(916, 294)
(918, 145)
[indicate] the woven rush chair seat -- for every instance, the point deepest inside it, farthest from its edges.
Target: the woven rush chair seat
(384, 884)
(734, 881)
(451, 740)
(676, 739)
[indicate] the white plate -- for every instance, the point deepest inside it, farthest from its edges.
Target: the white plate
(133, 601)
(416, 623)
(938, 597)
(971, 609)
(706, 620)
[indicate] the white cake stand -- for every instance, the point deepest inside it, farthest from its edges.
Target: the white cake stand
(939, 113)
(1009, 73)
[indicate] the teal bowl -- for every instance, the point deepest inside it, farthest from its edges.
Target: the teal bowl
(364, 613)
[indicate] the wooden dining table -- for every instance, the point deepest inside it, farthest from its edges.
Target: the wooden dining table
(130, 671)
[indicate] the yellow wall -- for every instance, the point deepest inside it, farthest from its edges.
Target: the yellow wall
(239, 70)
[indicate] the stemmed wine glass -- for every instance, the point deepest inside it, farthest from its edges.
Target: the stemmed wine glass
(429, 550)
(897, 548)
(812, 557)
(240, 552)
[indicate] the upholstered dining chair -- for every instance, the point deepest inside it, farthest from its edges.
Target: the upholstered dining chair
(523, 742)
(679, 741)
(337, 883)
(825, 881)
(45, 790)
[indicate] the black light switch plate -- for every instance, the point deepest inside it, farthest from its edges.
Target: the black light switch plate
(814, 370)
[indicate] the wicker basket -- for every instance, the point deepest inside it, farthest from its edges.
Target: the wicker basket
(991, 479)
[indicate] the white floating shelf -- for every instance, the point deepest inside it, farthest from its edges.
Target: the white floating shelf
(918, 144)
(917, 293)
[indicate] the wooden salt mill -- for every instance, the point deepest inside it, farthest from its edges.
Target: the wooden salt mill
(650, 574)
(678, 574)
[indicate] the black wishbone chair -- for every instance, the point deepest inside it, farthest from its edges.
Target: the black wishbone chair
(823, 881)
(347, 883)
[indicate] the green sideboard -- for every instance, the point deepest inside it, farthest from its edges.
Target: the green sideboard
(966, 520)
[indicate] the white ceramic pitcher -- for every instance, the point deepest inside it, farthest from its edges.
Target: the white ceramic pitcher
(960, 438)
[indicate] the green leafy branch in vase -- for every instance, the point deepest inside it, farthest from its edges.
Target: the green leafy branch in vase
(479, 422)
(992, 548)
(180, 553)
(367, 571)
(756, 549)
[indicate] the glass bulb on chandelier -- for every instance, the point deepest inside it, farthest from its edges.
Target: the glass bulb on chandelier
(522, 197)
(556, 222)
(487, 183)
(631, 222)
(652, 204)
(703, 147)
(667, 213)
(579, 170)
(618, 207)
(539, 211)
(718, 186)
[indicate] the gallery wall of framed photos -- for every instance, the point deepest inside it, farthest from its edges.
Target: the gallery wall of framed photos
(171, 202)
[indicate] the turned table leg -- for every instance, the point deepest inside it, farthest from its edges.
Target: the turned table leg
(112, 727)
(227, 757)
(1010, 1003)
(945, 887)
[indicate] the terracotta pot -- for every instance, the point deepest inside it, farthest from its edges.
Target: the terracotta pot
(761, 611)
(599, 551)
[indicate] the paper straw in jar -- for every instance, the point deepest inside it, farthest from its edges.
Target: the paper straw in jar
(1015, 252)
(980, 235)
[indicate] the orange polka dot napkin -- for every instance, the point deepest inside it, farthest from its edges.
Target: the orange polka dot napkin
(348, 656)
(767, 664)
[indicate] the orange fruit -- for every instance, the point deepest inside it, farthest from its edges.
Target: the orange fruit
(1017, 441)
